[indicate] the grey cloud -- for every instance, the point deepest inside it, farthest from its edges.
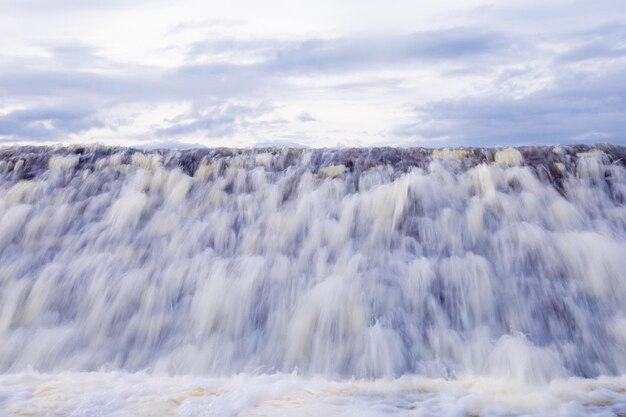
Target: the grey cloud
(341, 54)
(593, 51)
(306, 117)
(47, 122)
(52, 77)
(611, 31)
(74, 55)
(606, 41)
(216, 120)
(77, 84)
(581, 107)
(220, 45)
(133, 84)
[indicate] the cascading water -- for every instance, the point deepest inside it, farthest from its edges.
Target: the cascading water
(503, 264)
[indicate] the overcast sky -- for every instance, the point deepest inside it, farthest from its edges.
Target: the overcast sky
(314, 73)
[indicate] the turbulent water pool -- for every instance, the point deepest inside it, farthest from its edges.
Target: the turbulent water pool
(139, 394)
(458, 282)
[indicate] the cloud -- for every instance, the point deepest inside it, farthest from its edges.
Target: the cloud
(78, 73)
(40, 82)
(306, 117)
(216, 120)
(77, 70)
(357, 52)
(47, 123)
(60, 6)
(604, 42)
(579, 108)
(506, 88)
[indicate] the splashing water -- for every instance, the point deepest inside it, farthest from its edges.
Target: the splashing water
(472, 265)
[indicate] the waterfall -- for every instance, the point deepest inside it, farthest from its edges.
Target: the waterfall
(342, 263)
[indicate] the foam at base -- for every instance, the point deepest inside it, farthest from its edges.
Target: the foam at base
(122, 394)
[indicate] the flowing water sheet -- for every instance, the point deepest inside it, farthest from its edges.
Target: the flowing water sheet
(294, 282)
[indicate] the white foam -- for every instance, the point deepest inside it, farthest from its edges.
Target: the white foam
(333, 171)
(450, 153)
(149, 162)
(63, 163)
(127, 210)
(508, 157)
(123, 394)
(515, 358)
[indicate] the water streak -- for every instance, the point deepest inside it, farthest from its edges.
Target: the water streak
(361, 262)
